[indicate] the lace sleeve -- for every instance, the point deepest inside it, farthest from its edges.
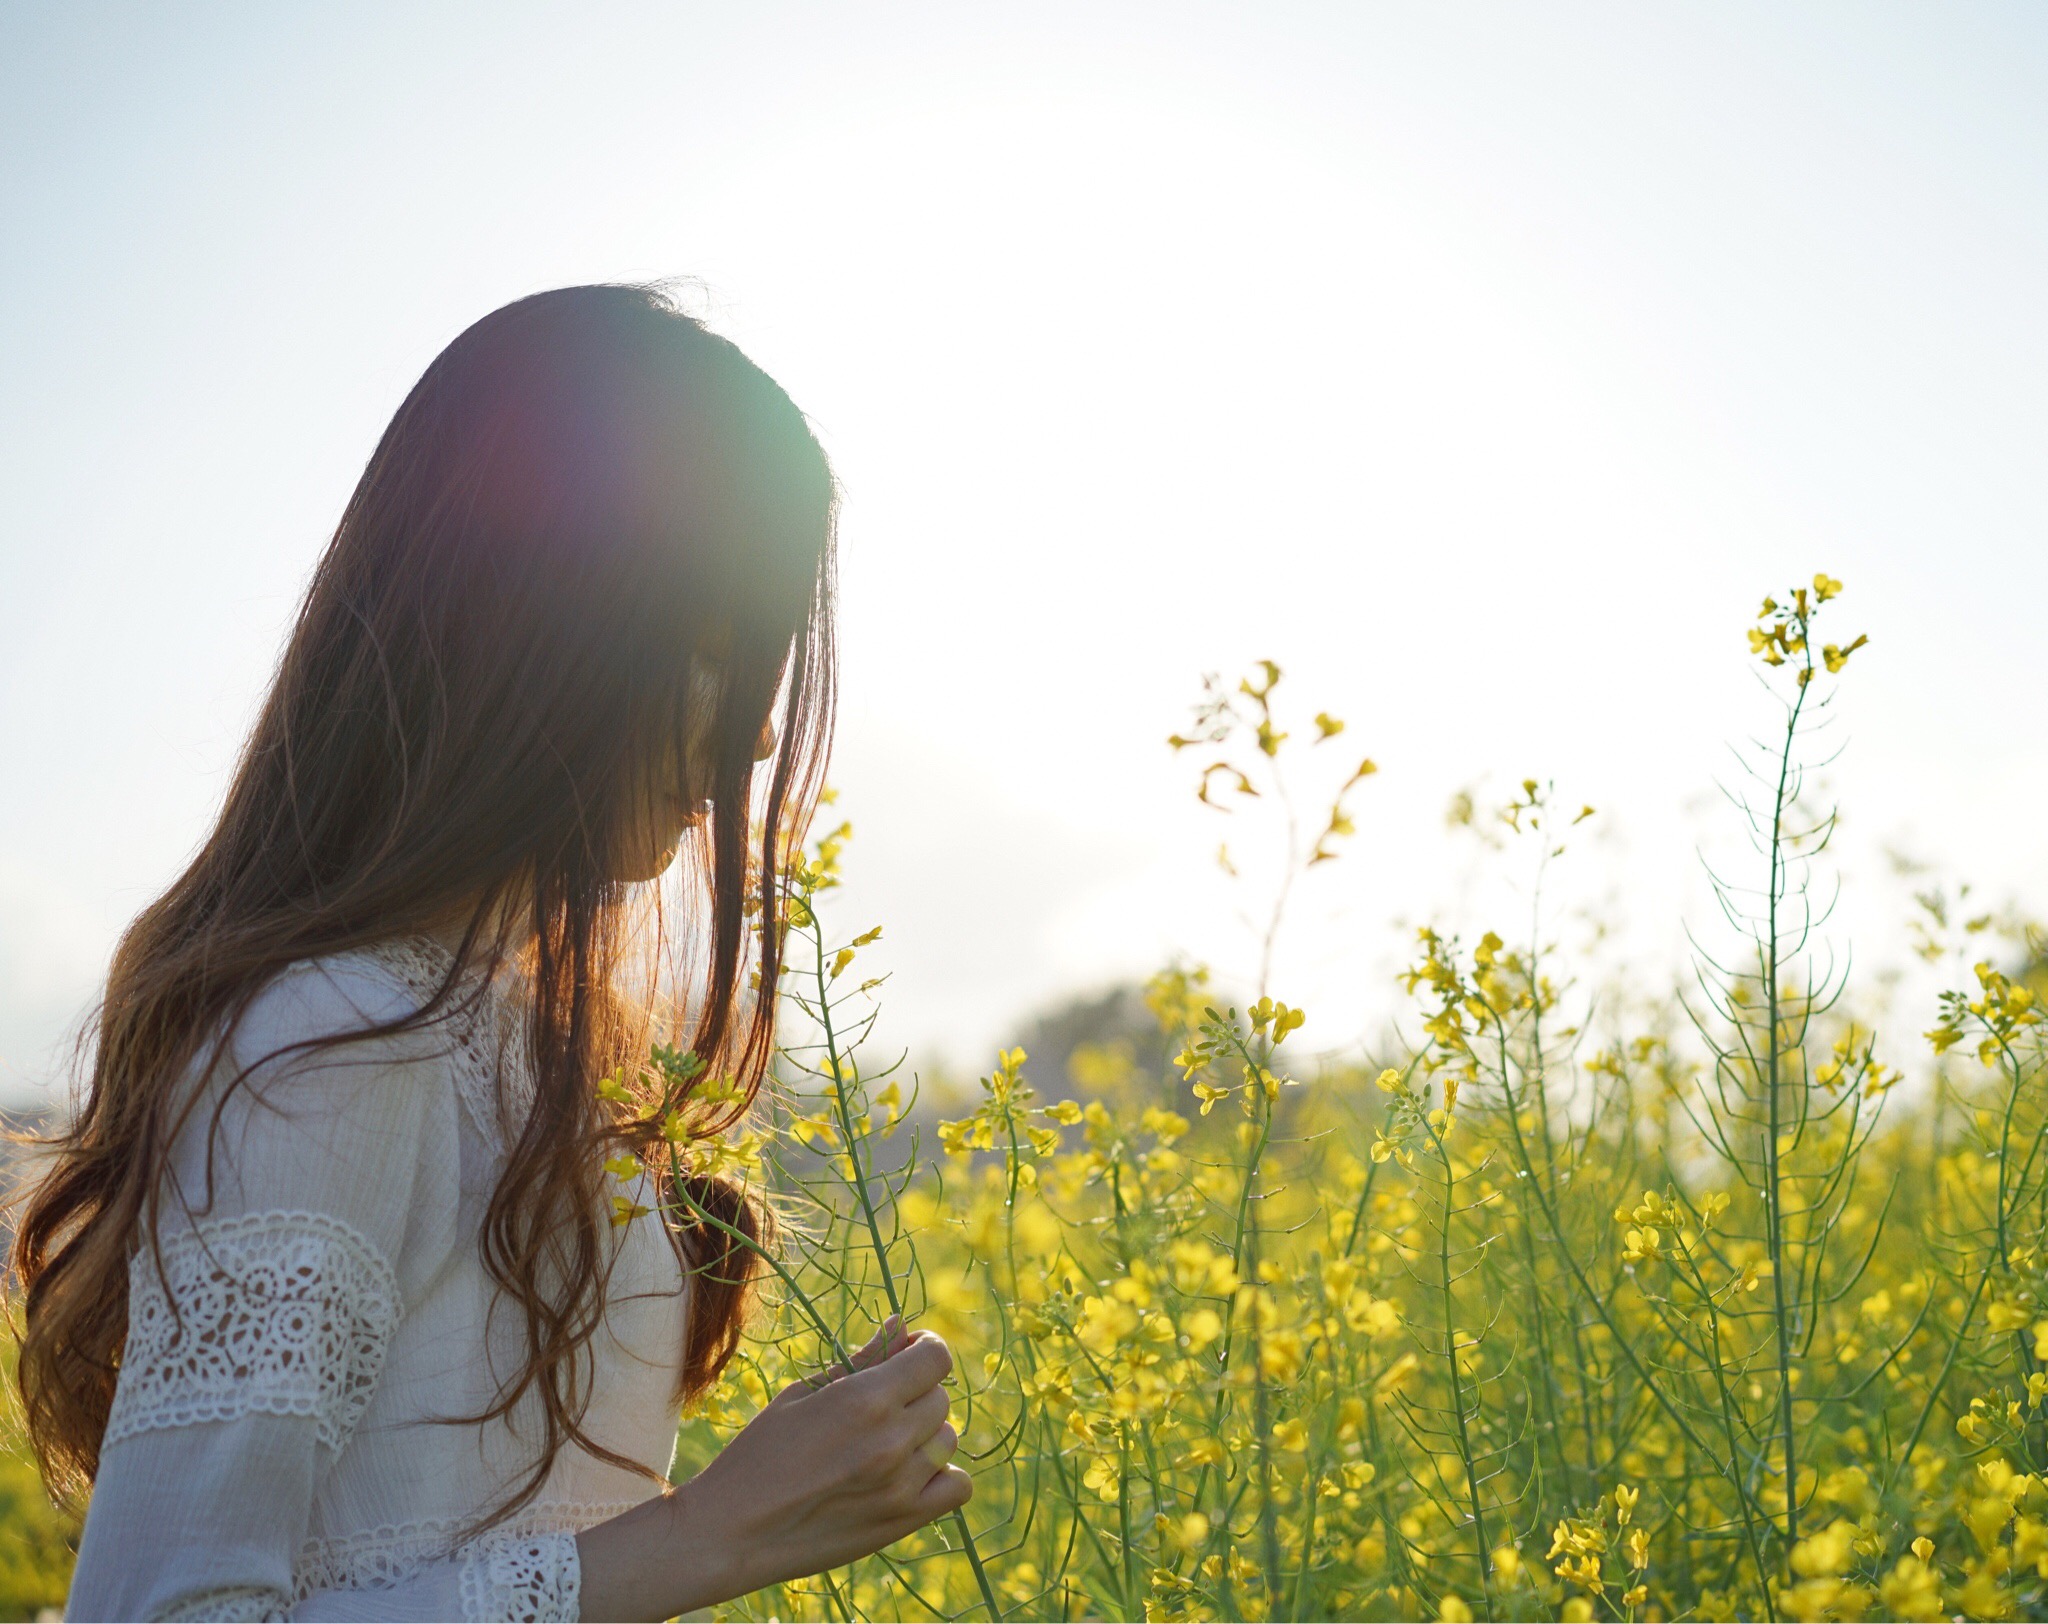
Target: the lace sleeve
(534, 1577)
(280, 1312)
(295, 1222)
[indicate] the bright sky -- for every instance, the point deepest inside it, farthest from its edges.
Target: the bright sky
(1481, 364)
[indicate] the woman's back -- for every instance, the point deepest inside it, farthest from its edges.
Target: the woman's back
(281, 1437)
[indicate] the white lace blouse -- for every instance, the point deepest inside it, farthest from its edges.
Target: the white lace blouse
(276, 1447)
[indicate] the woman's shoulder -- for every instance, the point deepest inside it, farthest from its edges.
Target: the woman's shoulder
(358, 989)
(354, 1007)
(358, 1013)
(330, 995)
(325, 1104)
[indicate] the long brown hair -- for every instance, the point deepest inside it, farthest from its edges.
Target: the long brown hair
(586, 501)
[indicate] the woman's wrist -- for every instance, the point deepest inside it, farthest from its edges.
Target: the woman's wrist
(668, 1556)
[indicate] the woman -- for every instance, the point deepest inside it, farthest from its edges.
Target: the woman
(323, 1297)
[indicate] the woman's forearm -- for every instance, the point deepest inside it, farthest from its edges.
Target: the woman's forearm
(669, 1556)
(823, 1475)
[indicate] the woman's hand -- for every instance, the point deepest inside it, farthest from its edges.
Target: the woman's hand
(832, 1468)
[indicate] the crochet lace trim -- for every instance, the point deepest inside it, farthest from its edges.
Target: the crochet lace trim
(532, 1569)
(530, 1577)
(377, 1558)
(488, 1035)
(278, 1313)
(234, 1604)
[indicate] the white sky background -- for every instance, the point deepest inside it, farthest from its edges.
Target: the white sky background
(1483, 365)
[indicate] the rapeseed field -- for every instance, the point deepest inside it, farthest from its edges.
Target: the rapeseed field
(1737, 1314)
